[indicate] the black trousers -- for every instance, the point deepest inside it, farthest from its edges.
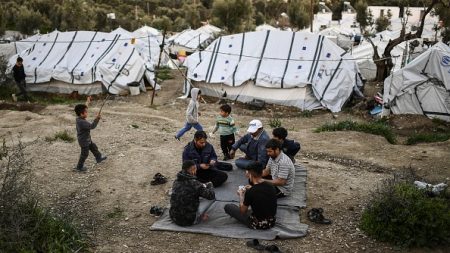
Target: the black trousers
(213, 175)
(234, 211)
(85, 153)
(226, 141)
(22, 87)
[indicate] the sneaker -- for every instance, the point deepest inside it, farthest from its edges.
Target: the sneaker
(14, 98)
(101, 159)
(156, 211)
(177, 138)
(82, 169)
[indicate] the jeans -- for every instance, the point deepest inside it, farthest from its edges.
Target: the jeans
(22, 87)
(242, 163)
(85, 153)
(188, 127)
(234, 211)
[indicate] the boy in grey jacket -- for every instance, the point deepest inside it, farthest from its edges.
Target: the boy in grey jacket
(84, 135)
(192, 114)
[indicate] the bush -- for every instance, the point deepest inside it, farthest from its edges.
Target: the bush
(377, 128)
(24, 225)
(274, 123)
(401, 214)
(62, 135)
(421, 138)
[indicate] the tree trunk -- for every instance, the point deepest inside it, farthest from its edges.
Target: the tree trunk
(384, 67)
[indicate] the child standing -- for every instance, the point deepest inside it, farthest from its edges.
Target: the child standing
(226, 127)
(84, 135)
(192, 114)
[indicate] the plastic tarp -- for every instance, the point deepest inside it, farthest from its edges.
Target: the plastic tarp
(422, 86)
(279, 60)
(83, 57)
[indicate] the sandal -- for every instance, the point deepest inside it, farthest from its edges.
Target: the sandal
(158, 178)
(315, 215)
(156, 211)
(255, 245)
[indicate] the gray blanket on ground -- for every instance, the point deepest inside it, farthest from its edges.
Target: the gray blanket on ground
(221, 224)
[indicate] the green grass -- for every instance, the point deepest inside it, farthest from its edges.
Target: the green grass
(6, 90)
(376, 128)
(41, 231)
(306, 114)
(164, 74)
(62, 135)
(427, 138)
(275, 122)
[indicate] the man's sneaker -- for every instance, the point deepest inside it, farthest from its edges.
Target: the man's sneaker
(177, 138)
(101, 159)
(82, 169)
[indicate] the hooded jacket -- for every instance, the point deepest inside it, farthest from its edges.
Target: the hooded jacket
(192, 109)
(184, 200)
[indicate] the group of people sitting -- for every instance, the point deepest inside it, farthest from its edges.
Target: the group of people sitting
(269, 165)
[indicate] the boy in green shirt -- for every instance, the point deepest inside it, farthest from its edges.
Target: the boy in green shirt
(226, 127)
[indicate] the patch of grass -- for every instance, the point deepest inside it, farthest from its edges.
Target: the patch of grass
(62, 135)
(116, 213)
(6, 90)
(376, 128)
(404, 215)
(57, 99)
(439, 121)
(306, 114)
(427, 138)
(164, 74)
(275, 122)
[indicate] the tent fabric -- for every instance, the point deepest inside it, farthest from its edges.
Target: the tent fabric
(422, 86)
(279, 60)
(221, 224)
(83, 57)
(192, 40)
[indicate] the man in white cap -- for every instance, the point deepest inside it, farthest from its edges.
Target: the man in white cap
(253, 144)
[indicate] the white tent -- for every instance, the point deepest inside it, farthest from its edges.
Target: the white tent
(191, 40)
(82, 61)
(422, 86)
(289, 68)
(24, 44)
(147, 31)
(343, 38)
(265, 27)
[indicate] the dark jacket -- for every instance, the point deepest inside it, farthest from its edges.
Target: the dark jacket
(255, 149)
(184, 200)
(84, 131)
(18, 73)
(290, 148)
(204, 155)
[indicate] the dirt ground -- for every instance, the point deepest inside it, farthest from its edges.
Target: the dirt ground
(112, 200)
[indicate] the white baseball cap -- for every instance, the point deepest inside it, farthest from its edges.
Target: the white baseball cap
(254, 125)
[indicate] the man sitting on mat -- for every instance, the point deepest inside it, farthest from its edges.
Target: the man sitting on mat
(280, 171)
(186, 191)
(260, 197)
(205, 158)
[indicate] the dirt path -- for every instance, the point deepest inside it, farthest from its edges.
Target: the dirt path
(113, 199)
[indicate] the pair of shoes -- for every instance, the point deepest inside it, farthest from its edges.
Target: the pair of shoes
(260, 247)
(177, 138)
(315, 215)
(82, 169)
(158, 178)
(101, 159)
(156, 211)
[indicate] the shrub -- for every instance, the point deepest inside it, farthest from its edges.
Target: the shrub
(274, 123)
(401, 214)
(24, 225)
(62, 135)
(433, 137)
(377, 128)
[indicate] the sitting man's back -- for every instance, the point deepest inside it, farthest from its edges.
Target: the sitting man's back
(186, 191)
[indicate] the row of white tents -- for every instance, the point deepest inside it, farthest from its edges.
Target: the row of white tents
(300, 69)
